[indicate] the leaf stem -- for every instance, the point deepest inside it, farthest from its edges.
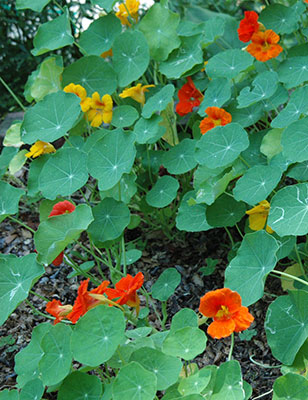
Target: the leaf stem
(13, 94)
(22, 224)
(295, 278)
(299, 260)
(231, 347)
(230, 236)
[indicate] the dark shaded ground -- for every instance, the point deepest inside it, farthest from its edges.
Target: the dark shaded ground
(187, 254)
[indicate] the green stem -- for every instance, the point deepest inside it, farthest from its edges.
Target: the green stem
(165, 314)
(231, 347)
(239, 231)
(38, 295)
(123, 253)
(230, 236)
(299, 260)
(202, 320)
(76, 267)
(295, 278)
(22, 224)
(244, 161)
(13, 94)
(36, 311)
(145, 293)
(264, 365)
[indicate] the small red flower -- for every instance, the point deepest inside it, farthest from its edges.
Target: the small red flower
(225, 307)
(189, 97)
(126, 290)
(216, 117)
(58, 310)
(85, 301)
(248, 26)
(63, 207)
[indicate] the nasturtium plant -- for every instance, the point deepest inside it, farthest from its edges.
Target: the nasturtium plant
(166, 125)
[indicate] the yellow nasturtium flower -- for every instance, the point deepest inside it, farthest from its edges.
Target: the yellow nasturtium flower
(81, 92)
(101, 110)
(136, 93)
(39, 148)
(128, 9)
(258, 216)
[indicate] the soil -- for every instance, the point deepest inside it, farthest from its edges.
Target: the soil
(187, 254)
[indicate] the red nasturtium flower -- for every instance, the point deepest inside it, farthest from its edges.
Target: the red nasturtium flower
(63, 207)
(126, 290)
(216, 117)
(225, 307)
(264, 45)
(189, 97)
(248, 26)
(85, 301)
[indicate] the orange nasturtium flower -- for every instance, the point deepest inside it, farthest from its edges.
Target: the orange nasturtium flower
(58, 310)
(248, 26)
(62, 207)
(107, 53)
(258, 216)
(128, 9)
(264, 45)
(101, 110)
(81, 92)
(189, 97)
(126, 290)
(136, 92)
(225, 307)
(216, 117)
(39, 148)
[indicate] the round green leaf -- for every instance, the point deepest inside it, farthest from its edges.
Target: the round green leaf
(56, 362)
(166, 368)
(191, 217)
(297, 105)
(221, 146)
(10, 197)
(16, 276)
(33, 390)
(134, 382)
(257, 183)
(280, 18)
(26, 361)
(286, 325)
(64, 173)
(18, 161)
(246, 116)
(100, 35)
(195, 383)
(111, 217)
(225, 211)
(149, 130)
(124, 116)
(159, 27)
(294, 141)
(247, 271)
(180, 158)
(111, 157)
(51, 118)
(183, 59)
(9, 395)
(130, 56)
(217, 94)
(184, 317)
(163, 192)
(271, 143)
(131, 256)
(159, 101)
(293, 71)
(299, 171)
(124, 190)
(137, 333)
(35, 5)
(93, 73)
(80, 386)
(55, 233)
(166, 284)
(228, 382)
(289, 210)
(264, 86)
(97, 335)
(186, 343)
(290, 386)
(228, 64)
(12, 136)
(105, 4)
(53, 35)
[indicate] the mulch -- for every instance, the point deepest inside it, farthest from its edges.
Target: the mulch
(187, 253)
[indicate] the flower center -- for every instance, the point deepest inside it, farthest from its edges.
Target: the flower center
(223, 312)
(216, 123)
